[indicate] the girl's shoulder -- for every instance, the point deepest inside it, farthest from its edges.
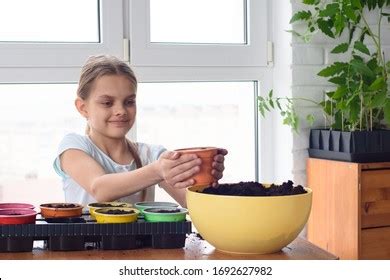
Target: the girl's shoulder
(74, 140)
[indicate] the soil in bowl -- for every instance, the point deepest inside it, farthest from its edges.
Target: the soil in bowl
(256, 189)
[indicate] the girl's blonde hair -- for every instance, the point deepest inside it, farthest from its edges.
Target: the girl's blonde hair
(101, 65)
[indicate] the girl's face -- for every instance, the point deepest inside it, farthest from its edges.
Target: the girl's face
(111, 106)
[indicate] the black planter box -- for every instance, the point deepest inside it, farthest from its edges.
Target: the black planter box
(355, 146)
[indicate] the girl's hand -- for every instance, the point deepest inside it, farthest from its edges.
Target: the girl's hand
(177, 169)
(218, 166)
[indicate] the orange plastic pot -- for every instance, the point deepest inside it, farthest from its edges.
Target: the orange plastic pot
(61, 210)
(206, 154)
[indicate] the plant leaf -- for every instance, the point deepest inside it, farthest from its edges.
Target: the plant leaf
(379, 100)
(386, 111)
(342, 48)
(356, 4)
(337, 80)
(340, 92)
(330, 10)
(362, 68)
(333, 69)
(350, 13)
(377, 84)
(361, 47)
(324, 27)
(310, 2)
(301, 15)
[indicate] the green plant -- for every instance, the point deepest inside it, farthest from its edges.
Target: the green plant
(360, 100)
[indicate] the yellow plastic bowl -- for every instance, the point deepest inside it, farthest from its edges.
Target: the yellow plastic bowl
(248, 225)
(105, 218)
(95, 205)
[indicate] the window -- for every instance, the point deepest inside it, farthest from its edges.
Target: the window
(45, 37)
(198, 41)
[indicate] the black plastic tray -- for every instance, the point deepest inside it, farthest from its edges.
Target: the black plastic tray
(78, 233)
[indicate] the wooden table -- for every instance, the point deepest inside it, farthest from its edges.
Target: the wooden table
(195, 249)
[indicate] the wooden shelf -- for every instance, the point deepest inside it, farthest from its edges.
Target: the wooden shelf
(350, 215)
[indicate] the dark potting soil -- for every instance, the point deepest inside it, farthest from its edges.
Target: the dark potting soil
(60, 205)
(107, 205)
(255, 189)
(165, 211)
(118, 212)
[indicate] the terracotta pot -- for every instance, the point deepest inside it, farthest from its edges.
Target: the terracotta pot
(61, 210)
(203, 177)
(17, 216)
(16, 206)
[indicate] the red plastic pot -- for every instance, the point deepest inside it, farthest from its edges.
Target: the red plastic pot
(17, 216)
(16, 206)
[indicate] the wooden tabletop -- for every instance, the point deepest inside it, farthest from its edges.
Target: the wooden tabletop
(195, 249)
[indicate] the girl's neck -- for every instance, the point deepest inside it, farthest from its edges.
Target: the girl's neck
(116, 149)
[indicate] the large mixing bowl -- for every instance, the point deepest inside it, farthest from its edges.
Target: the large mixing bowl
(247, 224)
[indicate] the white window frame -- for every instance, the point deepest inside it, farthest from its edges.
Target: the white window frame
(145, 53)
(61, 62)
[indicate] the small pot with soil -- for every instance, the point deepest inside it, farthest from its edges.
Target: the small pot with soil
(116, 215)
(165, 214)
(17, 216)
(61, 210)
(16, 205)
(206, 154)
(248, 217)
(113, 204)
(141, 206)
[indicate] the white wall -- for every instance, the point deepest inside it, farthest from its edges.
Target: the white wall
(282, 81)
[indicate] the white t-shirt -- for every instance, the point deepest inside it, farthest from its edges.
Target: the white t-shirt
(74, 193)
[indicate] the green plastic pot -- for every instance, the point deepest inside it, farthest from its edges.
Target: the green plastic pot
(141, 206)
(165, 214)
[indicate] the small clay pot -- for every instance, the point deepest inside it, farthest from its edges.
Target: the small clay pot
(206, 154)
(17, 216)
(61, 210)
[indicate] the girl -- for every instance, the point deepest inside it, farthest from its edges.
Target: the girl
(104, 165)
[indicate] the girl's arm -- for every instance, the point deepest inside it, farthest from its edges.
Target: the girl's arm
(170, 167)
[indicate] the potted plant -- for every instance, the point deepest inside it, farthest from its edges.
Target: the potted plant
(357, 111)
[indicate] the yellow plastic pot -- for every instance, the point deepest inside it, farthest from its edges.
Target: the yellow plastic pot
(102, 215)
(248, 225)
(97, 205)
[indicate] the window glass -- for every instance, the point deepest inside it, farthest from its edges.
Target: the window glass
(193, 114)
(197, 21)
(49, 21)
(33, 120)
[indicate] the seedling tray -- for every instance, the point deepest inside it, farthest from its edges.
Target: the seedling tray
(76, 234)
